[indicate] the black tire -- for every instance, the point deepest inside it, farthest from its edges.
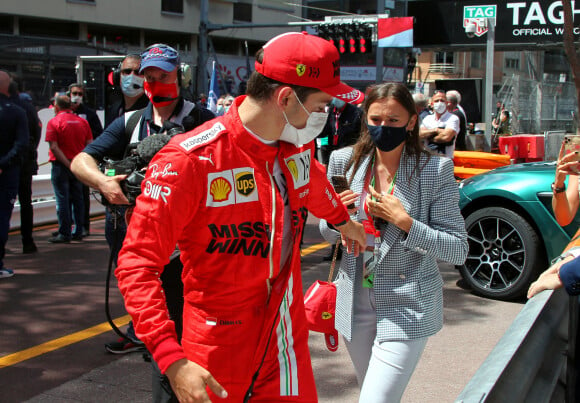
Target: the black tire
(505, 254)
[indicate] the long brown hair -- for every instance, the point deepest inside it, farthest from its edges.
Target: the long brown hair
(365, 145)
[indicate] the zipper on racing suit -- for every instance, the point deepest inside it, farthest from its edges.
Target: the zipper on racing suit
(269, 285)
(272, 231)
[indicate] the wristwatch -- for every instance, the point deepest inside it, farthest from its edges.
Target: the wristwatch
(558, 189)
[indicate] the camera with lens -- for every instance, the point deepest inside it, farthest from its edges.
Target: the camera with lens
(137, 158)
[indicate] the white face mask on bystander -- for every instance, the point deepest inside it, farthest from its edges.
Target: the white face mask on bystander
(440, 107)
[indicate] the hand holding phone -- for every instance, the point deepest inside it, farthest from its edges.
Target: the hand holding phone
(340, 184)
(572, 146)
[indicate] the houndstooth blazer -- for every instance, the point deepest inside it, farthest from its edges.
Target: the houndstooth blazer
(408, 286)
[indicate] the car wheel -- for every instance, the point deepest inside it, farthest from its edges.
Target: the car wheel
(505, 253)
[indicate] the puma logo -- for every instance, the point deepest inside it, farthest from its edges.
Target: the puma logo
(202, 158)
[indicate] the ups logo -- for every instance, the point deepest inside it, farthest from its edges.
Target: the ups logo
(245, 183)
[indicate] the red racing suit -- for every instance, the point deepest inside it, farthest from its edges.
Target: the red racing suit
(211, 191)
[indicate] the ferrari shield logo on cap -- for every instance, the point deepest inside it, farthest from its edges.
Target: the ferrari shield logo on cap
(300, 69)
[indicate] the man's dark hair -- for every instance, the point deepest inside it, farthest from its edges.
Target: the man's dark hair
(261, 87)
(78, 85)
(63, 102)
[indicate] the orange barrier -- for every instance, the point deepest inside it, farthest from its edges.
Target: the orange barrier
(479, 159)
(470, 163)
(464, 172)
(575, 241)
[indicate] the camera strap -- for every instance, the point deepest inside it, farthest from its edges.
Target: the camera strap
(131, 122)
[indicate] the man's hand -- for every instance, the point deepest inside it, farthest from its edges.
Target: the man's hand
(548, 280)
(189, 380)
(354, 237)
(110, 187)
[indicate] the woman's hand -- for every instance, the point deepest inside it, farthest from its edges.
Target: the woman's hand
(389, 208)
(567, 164)
(348, 198)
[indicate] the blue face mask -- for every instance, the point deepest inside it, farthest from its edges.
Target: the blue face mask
(387, 138)
(132, 85)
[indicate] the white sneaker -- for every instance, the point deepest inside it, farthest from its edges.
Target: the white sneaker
(5, 273)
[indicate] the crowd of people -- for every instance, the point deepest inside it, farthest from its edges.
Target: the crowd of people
(209, 266)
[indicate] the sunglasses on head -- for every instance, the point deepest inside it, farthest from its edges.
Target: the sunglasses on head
(128, 71)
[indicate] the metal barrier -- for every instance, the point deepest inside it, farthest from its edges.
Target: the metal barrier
(534, 361)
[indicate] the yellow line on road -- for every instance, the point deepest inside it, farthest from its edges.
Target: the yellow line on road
(314, 248)
(67, 340)
(61, 342)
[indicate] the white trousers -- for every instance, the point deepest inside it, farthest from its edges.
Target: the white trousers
(383, 370)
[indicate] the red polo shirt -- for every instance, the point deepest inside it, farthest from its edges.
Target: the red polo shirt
(71, 132)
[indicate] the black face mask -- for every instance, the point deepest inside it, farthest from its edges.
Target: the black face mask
(387, 138)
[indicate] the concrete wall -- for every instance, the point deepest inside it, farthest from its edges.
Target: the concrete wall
(147, 14)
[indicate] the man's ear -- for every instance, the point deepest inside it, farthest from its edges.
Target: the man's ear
(283, 94)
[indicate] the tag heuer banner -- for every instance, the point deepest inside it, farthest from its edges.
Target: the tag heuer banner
(522, 23)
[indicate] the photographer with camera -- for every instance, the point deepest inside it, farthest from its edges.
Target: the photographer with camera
(160, 65)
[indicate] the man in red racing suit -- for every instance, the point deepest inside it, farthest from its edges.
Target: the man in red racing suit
(216, 192)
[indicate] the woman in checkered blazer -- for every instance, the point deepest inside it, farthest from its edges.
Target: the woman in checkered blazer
(390, 299)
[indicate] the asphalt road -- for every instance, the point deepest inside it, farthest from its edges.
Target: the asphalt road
(53, 330)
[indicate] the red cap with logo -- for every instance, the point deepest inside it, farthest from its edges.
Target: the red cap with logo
(298, 58)
(320, 306)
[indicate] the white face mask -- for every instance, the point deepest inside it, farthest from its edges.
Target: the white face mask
(76, 99)
(314, 125)
(132, 85)
(440, 107)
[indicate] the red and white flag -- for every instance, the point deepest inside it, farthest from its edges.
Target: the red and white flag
(395, 32)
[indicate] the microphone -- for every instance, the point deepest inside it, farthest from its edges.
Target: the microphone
(158, 99)
(149, 146)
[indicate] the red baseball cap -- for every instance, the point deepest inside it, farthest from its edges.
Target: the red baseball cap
(320, 304)
(298, 58)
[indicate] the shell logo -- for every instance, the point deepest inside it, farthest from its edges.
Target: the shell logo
(326, 315)
(293, 169)
(220, 189)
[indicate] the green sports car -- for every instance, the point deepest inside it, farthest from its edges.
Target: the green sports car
(511, 228)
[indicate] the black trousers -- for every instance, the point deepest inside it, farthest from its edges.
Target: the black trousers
(87, 206)
(25, 200)
(173, 287)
